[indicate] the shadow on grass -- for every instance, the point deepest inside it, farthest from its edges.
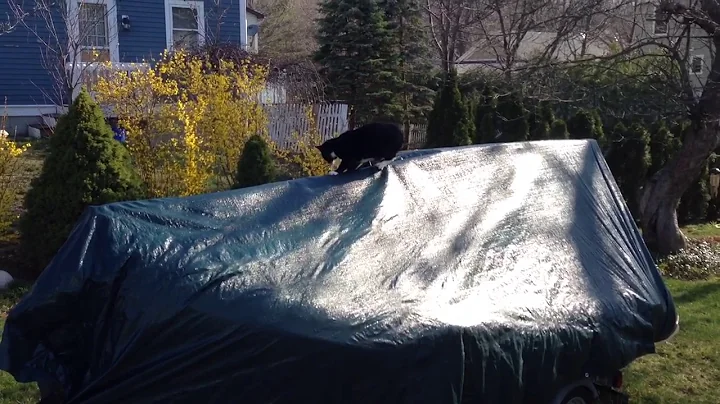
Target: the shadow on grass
(10, 296)
(697, 293)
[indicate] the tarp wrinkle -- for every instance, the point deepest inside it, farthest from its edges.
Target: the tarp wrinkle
(481, 274)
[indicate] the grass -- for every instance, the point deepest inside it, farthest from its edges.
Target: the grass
(30, 167)
(12, 392)
(702, 231)
(685, 369)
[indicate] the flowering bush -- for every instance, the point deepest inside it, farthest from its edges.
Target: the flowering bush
(308, 158)
(10, 166)
(187, 121)
(699, 260)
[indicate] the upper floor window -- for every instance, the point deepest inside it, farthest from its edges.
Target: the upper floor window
(696, 64)
(185, 23)
(660, 24)
(93, 28)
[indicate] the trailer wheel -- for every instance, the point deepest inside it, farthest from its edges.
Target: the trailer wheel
(579, 395)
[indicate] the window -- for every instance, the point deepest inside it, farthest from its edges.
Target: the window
(696, 64)
(660, 24)
(185, 23)
(93, 29)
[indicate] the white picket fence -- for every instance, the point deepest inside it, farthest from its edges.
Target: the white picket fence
(417, 136)
(287, 120)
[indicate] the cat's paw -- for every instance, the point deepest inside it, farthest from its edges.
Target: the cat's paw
(333, 172)
(382, 164)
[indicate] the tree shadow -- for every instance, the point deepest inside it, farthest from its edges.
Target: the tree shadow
(629, 307)
(698, 292)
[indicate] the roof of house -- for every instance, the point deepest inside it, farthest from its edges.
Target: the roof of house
(533, 44)
(254, 12)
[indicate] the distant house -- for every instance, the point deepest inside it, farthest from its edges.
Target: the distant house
(120, 31)
(695, 45)
(490, 53)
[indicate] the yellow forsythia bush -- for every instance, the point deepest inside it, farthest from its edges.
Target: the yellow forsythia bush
(308, 158)
(10, 167)
(187, 122)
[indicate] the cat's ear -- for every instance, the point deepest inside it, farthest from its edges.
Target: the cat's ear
(319, 147)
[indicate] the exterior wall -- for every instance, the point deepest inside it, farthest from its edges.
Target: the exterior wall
(253, 42)
(146, 37)
(695, 45)
(24, 76)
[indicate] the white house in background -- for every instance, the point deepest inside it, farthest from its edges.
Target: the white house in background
(124, 32)
(695, 47)
(489, 53)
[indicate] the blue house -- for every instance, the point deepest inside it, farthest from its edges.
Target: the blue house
(66, 34)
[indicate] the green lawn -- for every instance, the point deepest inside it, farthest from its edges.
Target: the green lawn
(705, 230)
(685, 370)
(10, 391)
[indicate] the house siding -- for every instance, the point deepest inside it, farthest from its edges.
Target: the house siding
(146, 38)
(24, 75)
(699, 43)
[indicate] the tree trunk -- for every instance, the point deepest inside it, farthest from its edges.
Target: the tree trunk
(661, 195)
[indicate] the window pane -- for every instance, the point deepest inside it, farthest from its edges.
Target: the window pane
(697, 64)
(186, 39)
(661, 24)
(92, 25)
(95, 55)
(184, 18)
(660, 27)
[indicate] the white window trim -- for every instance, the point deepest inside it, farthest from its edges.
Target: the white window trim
(192, 4)
(653, 19)
(702, 64)
(74, 28)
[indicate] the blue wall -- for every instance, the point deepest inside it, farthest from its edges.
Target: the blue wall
(146, 37)
(24, 78)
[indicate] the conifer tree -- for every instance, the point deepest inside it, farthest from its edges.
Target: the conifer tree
(357, 58)
(581, 125)
(547, 113)
(485, 111)
(558, 130)
(598, 129)
(513, 119)
(448, 121)
(255, 166)
(85, 166)
(629, 161)
(539, 126)
(411, 60)
(662, 146)
(487, 131)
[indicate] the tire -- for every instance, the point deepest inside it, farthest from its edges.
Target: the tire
(579, 395)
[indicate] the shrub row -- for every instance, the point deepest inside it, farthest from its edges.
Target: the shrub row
(634, 149)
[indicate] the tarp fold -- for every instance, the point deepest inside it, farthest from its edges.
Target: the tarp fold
(494, 273)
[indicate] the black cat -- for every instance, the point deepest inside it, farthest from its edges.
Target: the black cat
(375, 142)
